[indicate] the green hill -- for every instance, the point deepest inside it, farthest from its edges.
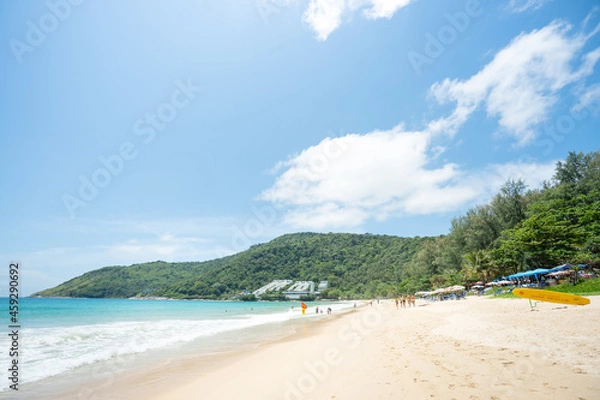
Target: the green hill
(518, 230)
(355, 265)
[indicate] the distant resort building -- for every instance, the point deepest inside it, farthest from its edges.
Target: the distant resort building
(293, 290)
(300, 289)
(274, 286)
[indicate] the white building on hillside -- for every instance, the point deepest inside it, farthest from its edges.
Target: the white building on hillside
(274, 286)
(299, 289)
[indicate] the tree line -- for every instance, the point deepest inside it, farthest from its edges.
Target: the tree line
(518, 230)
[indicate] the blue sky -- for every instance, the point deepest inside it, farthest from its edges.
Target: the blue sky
(188, 130)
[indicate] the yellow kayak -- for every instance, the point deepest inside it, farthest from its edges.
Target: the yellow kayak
(551, 297)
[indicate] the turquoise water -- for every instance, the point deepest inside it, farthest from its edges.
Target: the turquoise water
(62, 336)
(54, 312)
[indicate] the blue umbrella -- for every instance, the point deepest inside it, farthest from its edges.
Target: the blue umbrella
(561, 268)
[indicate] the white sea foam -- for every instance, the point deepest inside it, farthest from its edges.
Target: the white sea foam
(54, 350)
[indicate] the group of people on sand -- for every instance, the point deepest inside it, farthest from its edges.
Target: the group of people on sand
(403, 300)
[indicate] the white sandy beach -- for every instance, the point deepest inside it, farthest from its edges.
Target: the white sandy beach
(471, 349)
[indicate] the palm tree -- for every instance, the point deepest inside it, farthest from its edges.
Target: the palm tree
(478, 264)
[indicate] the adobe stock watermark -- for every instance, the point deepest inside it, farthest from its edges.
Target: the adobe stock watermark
(38, 30)
(551, 134)
(436, 44)
(267, 8)
(145, 128)
(245, 234)
(350, 336)
(555, 131)
(103, 374)
(513, 379)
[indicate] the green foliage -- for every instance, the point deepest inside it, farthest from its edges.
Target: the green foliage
(517, 231)
(507, 295)
(331, 294)
(478, 265)
(584, 287)
(273, 296)
(558, 230)
(353, 264)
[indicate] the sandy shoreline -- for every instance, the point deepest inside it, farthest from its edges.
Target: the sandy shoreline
(473, 349)
(470, 349)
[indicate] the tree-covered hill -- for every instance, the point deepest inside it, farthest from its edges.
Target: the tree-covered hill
(354, 264)
(519, 229)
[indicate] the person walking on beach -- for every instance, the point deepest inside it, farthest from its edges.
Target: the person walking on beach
(396, 303)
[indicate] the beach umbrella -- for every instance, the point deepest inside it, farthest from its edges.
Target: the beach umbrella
(423, 293)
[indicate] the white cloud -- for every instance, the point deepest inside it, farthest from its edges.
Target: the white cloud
(324, 216)
(519, 6)
(384, 8)
(325, 16)
(494, 176)
(589, 99)
(521, 84)
(346, 181)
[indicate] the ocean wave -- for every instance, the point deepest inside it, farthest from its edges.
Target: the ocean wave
(51, 351)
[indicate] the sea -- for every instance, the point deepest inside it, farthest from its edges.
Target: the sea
(62, 341)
